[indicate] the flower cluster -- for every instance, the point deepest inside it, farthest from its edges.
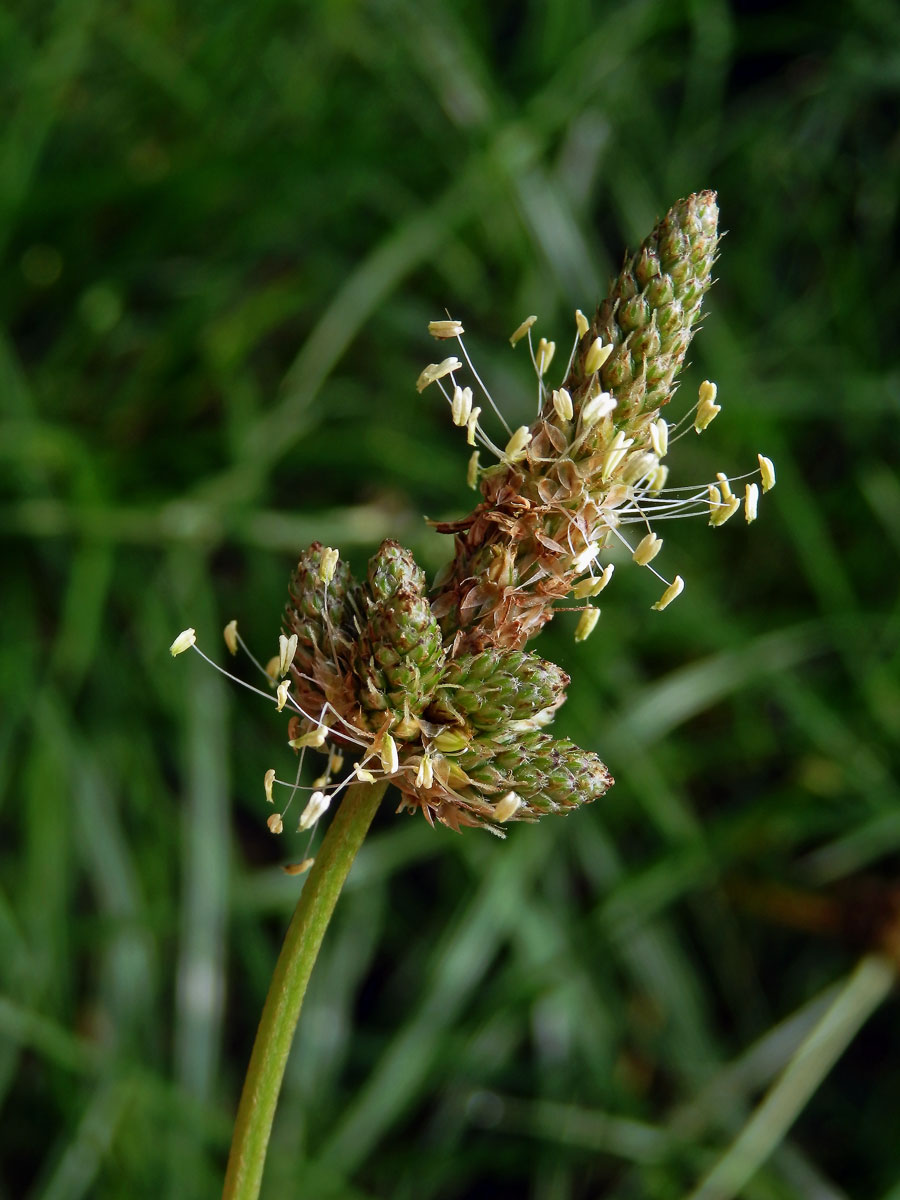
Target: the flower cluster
(433, 690)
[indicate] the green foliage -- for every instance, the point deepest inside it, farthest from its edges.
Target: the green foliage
(225, 230)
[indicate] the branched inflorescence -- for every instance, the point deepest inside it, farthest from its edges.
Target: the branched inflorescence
(435, 690)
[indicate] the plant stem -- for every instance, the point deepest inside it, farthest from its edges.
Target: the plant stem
(275, 1034)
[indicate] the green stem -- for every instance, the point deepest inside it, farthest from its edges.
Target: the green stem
(275, 1034)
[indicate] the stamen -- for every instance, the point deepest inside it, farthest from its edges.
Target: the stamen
(282, 694)
(445, 329)
(544, 357)
(596, 356)
(472, 471)
(707, 409)
(299, 868)
(183, 642)
(315, 807)
(330, 558)
(516, 447)
(588, 588)
(614, 455)
(725, 512)
(724, 485)
(230, 634)
(585, 557)
(390, 760)
(287, 648)
(585, 627)
(436, 371)
(275, 823)
(767, 471)
(562, 403)
(659, 437)
(362, 774)
(461, 405)
(751, 501)
(647, 549)
(522, 330)
(425, 773)
(581, 323)
(472, 425)
(596, 408)
(675, 588)
(268, 780)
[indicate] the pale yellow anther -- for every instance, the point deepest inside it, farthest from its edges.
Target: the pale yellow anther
(268, 780)
(425, 773)
(596, 408)
(581, 323)
(585, 626)
(639, 467)
(562, 404)
(585, 557)
(275, 823)
(282, 694)
(472, 425)
(315, 738)
(725, 512)
(445, 329)
(675, 588)
(272, 666)
(230, 634)
(183, 642)
(714, 497)
(707, 409)
(647, 549)
(522, 330)
(596, 356)
(544, 355)
(617, 450)
(461, 405)
(472, 469)
(751, 502)
(708, 392)
(287, 648)
(362, 774)
(322, 780)
(390, 760)
(659, 437)
(657, 481)
(724, 485)
(335, 762)
(767, 471)
(588, 588)
(330, 559)
(436, 371)
(507, 806)
(516, 447)
(316, 805)
(299, 868)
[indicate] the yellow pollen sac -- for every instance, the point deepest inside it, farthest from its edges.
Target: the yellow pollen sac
(708, 392)
(647, 549)
(659, 437)
(390, 760)
(517, 444)
(585, 627)
(330, 558)
(767, 471)
(436, 371)
(299, 868)
(727, 510)
(588, 588)
(596, 408)
(287, 648)
(581, 323)
(461, 405)
(724, 485)
(268, 780)
(614, 455)
(316, 805)
(472, 425)
(275, 823)
(596, 356)
(657, 481)
(472, 470)
(562, 403)
(272, 667)
(445, 329)
(315, 738)
(425, 773)
(282, 694)
(183, 642)
(675, 588)
(507, 807)
(362, 774)
(751, 501)
(585, 557)
(229, 633)
(522, 330)
(544, 356)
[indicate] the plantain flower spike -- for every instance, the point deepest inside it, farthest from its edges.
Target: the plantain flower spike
(435, 690)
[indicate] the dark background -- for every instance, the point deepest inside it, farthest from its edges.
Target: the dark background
(225, 228)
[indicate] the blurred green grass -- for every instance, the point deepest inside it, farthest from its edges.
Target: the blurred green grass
(225, 229)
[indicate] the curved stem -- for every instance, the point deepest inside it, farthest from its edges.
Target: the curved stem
(275, 1034)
